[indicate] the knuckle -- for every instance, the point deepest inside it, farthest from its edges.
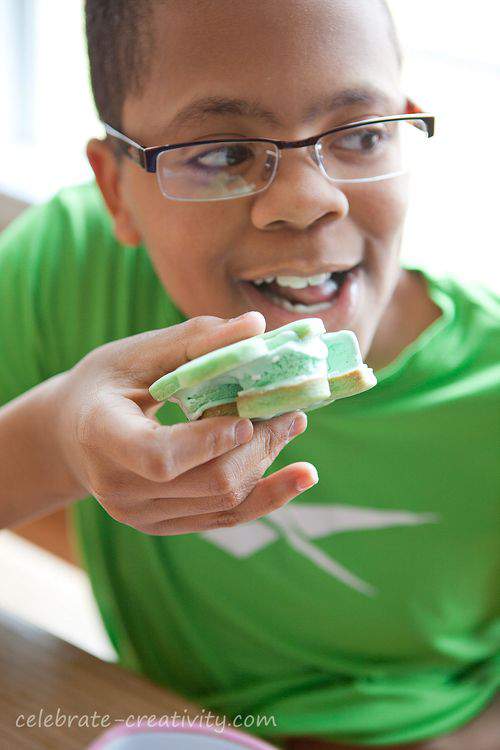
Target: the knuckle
(101, 490)
(272, 438)
(231, 501)
(109, 490)
(215, 442)
(198, 327)
(160, 466)
(221, 480)
(202, 323)
(224, 520)
(160, 461)
(161, 528)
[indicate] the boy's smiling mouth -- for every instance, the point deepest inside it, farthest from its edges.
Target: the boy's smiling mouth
(284, 296)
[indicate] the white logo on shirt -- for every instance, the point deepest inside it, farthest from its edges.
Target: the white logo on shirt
(298, 523)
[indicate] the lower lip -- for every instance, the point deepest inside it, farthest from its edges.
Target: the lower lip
(340, 315)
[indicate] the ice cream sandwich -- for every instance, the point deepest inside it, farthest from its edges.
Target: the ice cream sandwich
(297, 366)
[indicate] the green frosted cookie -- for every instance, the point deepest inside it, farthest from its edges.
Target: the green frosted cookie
(207, 366)
(296, 366)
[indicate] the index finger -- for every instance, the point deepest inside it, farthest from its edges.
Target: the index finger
(119, 430)
(157, 352)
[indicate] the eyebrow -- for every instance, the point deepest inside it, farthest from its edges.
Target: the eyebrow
(199, 110)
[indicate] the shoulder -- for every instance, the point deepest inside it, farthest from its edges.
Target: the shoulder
(473, 297)
(62, 235)
(473, 329)
(476, 308)
(467, 302)
(62, 269)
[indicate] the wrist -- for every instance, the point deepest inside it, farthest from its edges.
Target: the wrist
(53, 426)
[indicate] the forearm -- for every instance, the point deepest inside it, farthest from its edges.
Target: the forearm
(34, 478)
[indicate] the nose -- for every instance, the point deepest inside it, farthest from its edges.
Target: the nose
(300, 195)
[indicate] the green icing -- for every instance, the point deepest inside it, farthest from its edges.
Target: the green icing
(207, 366)
(302, 328)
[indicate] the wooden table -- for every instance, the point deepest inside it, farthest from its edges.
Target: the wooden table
(40, 674)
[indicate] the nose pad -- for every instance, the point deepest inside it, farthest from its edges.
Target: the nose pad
(318, 159)
(271, 164)
(315, 152)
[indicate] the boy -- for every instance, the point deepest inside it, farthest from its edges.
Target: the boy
(365, 612)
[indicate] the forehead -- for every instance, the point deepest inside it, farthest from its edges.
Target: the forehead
(282, 61)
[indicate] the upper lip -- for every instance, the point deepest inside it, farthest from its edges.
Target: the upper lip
(297, 272)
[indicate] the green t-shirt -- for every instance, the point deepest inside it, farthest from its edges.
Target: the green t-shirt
(365, 611)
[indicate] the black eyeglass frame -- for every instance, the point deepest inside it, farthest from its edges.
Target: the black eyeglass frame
(146, 156)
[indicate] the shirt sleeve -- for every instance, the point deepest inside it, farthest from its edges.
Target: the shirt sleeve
(54, 267)
(22, 363)
(66, 286)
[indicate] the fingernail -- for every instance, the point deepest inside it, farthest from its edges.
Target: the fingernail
(298, 425)
(244, 315)
(243, 431)
(304, 483)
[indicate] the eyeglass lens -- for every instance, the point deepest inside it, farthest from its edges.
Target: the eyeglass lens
(228, 170)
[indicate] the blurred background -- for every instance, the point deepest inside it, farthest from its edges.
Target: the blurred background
(452, 69)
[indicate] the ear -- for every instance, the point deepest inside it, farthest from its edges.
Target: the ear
(108, 176)
(411, 107)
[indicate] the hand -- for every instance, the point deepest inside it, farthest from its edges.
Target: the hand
(177, 479)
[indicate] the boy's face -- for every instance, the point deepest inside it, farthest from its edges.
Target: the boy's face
(286, 55)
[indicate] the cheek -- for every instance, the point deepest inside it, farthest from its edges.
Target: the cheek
(379, 211)
(379, 208)
(190, 245)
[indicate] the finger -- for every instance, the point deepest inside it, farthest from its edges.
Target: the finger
(226, 474)
(231, 470)
(155, 510)
(117, 428)
(269, 494)
(154, 353)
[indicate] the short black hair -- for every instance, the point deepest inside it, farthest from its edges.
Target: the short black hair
(119, 37)
(120, 40)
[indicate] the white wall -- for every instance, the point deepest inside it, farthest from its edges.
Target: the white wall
(452, 68)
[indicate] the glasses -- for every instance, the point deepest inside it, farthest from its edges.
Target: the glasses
(211, 170)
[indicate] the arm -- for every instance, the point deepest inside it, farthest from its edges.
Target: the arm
(93, 431)
(34, 478)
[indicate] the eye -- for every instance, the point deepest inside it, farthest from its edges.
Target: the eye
(222, 157)
(363, 140)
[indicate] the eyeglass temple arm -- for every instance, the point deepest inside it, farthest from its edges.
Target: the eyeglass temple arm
(127, 146)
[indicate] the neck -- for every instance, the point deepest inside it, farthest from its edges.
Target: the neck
(409, 312)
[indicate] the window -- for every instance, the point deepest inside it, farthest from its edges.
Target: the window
(452, 68)
(45, 97)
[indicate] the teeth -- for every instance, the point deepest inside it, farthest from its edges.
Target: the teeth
(320, 278)
(294, 282)
(300, 282)
(299, 307)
